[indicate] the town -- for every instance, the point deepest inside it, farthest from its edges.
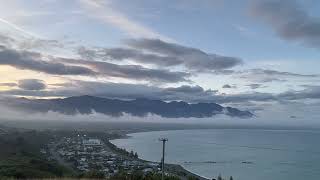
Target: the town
(78, 154)
(85, 154)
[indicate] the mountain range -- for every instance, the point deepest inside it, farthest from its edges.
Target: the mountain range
(116, 107)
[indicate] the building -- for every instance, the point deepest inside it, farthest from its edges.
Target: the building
(92, 142)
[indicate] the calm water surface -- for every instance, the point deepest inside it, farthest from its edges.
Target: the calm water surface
(244, 154)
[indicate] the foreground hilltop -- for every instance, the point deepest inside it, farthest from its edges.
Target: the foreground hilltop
(138, 107)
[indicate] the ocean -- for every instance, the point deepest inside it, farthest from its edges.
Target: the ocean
(243, 154)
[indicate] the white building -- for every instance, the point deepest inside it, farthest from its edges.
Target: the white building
(92, 142)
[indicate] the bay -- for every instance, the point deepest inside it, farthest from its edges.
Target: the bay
(243, 154)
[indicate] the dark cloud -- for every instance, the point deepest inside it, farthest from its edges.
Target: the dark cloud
(289, 20)
(136, 72)
(61, 66)
(186, 89)
(192, 58)
(164, 54)
(35, 61)
(31, 84)
(255, 86)
(228, 86)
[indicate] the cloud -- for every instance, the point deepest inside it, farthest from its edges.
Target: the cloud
(55, 65)
(31, 84)
(267, 75)
(255, 86)
(16, 27)
(34, 43)
(186, 89)
(20, 42)
(116, 54)
(63, 66)
(140, 73)
(36, 62)
(134, 91)
(104, 12)
(121, 91)
(311, 92)
(65, 84)
(136, 72)
(289, 20)
(228, 86)
(164, 54)
(281, 73)
(42, 93)
(192, 58)
(8, 84)
(6, 40)
(191, 94)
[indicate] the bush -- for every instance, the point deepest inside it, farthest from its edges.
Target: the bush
(93, 175)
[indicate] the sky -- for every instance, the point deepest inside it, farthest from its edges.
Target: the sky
(257, 55)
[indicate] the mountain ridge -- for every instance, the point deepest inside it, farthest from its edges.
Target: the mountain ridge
(138, 107)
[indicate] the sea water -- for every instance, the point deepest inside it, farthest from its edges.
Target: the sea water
(243, 154)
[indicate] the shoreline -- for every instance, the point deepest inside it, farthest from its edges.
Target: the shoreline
(178, 167)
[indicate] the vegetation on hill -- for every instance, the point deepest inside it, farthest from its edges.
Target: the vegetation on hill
(139, 175)
(20, 157)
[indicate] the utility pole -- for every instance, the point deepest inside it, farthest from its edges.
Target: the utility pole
(164, 140)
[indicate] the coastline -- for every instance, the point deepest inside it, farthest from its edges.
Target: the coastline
(171, 168)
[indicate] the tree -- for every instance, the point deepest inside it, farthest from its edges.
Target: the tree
(192, 178)
(231, 178)
(219, 177)
(131, 154)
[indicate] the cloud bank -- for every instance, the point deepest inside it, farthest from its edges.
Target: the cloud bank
(36, 62)
(164, 54)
